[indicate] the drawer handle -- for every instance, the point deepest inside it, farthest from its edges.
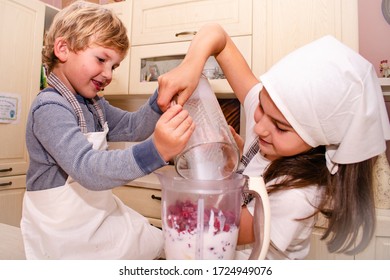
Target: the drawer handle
(5, 184)
(155, 197)
(185, 33)
(6, 170)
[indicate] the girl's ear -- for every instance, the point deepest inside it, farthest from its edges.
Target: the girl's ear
(61, 49)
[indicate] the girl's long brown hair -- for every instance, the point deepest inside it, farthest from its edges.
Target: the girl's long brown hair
(348, 201)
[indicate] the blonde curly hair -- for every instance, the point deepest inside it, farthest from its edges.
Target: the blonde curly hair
(82, 24)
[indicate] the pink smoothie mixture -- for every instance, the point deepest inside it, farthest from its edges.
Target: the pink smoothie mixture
(187, 238)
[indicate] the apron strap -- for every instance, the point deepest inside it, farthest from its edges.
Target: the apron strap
(68, 95)
(247, 157)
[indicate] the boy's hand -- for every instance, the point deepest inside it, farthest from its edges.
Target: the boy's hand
(173, 130)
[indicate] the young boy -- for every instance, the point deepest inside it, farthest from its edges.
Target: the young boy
(69, 211)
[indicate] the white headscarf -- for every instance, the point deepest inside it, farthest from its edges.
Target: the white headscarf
(331, 96)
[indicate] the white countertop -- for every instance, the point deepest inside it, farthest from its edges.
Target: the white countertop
(149, 181)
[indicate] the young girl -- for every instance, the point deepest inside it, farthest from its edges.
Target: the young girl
(69, 211)
(315, 123)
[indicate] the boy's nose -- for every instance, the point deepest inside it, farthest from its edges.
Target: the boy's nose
(107, 73)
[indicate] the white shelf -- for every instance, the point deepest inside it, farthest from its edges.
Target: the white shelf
(382, 212)
(385, 84)
(384, 81)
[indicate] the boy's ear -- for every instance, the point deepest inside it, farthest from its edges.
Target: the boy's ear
(61, 49)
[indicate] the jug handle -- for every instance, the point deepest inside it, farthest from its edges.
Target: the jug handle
(258, 189)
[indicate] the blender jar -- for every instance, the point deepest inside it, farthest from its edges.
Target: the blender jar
(201, 218)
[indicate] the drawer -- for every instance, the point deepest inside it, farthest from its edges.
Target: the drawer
(145, 201)
(12, 182)
(164, 21)
(155, 222)
(11, 199)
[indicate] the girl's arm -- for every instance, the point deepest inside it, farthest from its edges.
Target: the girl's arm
(211, 39)
(246, 233)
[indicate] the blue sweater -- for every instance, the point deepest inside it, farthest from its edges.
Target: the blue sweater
(58, 149)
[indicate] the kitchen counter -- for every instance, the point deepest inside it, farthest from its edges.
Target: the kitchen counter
(149, 181)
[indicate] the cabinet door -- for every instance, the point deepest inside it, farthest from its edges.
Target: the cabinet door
(319, 251)
(145, 201)
(280, 26)
(379, 247)
(11, 198)
(166, 21)
(21, 37)
(167, 56)
(120, 79)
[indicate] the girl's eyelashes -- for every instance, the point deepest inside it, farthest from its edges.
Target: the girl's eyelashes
(280, 129)
(101, 59)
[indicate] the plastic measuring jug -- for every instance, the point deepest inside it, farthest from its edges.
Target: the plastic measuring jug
(211, 153)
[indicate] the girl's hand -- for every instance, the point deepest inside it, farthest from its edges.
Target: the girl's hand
(178, 84)
(239, 140)
(172, 132)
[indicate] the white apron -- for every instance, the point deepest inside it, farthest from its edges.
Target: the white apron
(72, 222)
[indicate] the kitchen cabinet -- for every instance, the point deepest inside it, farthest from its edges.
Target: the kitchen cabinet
(280, 26)
(273, 29)
(167, 21)
(22, 26)
(162, 31)
(120, 78)
(165, 57)
(12, 190)
(146, 201)
(142, 194)
(378, 249)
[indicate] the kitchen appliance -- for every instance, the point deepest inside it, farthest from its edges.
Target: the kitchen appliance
(201, 218)
(211, 152)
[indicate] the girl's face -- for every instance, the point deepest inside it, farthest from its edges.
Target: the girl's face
(276, 136)
(89, 71)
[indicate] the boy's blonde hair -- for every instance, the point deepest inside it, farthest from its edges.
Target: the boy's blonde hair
(82, 24)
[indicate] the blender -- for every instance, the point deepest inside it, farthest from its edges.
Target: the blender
(201, 218)
(202, 197)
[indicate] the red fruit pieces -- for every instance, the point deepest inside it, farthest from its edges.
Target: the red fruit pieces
(182, 216)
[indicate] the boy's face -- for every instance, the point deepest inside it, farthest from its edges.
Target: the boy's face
(88, 71)
(277, 138)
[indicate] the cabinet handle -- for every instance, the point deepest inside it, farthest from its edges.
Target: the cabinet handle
(6, 169)
(185, 33)
(5, 184)
(155, 197)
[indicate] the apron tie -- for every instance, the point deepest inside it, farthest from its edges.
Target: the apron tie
(68, 95)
